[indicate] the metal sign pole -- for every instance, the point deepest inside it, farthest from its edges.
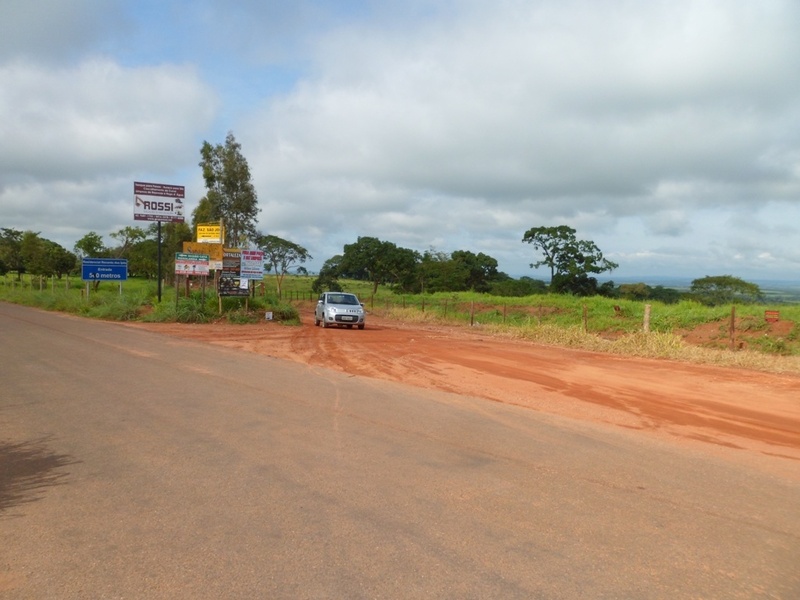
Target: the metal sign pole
(159, 262)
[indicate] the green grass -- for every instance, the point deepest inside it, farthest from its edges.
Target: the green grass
(139, 301)
(603, 324)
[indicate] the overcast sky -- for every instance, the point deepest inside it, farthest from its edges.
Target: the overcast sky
(667, 132)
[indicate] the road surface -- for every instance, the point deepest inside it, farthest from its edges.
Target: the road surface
(139, 465)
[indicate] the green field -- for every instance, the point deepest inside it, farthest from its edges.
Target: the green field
(596, 323)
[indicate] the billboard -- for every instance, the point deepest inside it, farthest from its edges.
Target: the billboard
(158, 202)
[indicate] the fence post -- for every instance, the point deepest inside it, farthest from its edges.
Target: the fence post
(423, 304)
(585, 319)
(472, 313)
(732, 331)
(646, 325)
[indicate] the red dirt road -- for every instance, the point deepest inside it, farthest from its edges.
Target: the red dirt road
(742, 414)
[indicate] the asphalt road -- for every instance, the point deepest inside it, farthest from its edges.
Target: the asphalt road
(134, 465)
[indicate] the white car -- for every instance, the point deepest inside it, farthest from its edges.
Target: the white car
(339, 308)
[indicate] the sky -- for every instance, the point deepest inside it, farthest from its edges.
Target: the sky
(667, 132)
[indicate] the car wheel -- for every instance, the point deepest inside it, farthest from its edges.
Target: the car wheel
(316, 321)
(324, 324)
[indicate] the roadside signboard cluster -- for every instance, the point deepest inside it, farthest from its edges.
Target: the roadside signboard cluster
(164, 203)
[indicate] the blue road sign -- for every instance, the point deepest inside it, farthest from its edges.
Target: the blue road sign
(104, 269)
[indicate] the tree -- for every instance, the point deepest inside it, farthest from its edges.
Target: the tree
(524, 286)
(570, 260)
(328, 278)
(481, 269)
(90, 246)
(34, 254)
(438, 272)
(45, 257)
(143, 259)
(231, 195)
(281, 255)
(402, 265)
(10, 250)
(635, 291)
(376, 261)
(665, 295)
(127, 237)
(724, 289)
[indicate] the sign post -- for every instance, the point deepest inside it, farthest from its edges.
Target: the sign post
(158, 202)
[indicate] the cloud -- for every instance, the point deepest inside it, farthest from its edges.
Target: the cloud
(540, 113)
(97, 119)
(53, 31)
(659, 130)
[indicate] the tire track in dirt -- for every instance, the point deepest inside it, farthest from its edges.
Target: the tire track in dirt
(731, 408)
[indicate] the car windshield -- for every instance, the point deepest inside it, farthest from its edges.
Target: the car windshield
(342, 299)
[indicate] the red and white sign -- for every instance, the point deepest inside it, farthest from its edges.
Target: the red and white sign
(158, 202)
(252, 264)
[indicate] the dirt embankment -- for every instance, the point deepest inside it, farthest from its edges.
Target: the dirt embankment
(723, 409)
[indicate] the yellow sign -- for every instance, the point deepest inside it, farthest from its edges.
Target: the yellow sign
(214, 251)
(209, 233)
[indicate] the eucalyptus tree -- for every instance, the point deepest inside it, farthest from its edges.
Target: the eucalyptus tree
(231, 196)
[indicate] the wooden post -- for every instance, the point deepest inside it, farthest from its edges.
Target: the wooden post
(472, 313)
(423, 304)
(505, 313)
(445, 308)
(733, 328)
(646, 325)
(585, 319)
